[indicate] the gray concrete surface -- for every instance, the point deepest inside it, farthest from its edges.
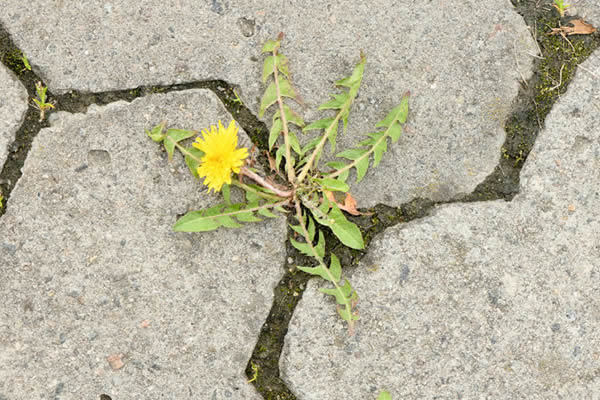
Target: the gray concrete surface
(93, 276)
(465, 71)
(484, 300)
(13, 104)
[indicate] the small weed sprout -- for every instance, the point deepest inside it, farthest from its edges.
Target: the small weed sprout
(25, 63)
(40, 103)
(561, 7)
(304, 189)
(254, 372)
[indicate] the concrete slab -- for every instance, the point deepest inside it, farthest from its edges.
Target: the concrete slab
(481, 300)
(99, 295)
(13, 105)
(589, 10)
(461, 61)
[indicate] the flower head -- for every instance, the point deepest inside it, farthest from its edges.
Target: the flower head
(220, 155)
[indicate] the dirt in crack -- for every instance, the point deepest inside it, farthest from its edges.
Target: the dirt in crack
(534, 101)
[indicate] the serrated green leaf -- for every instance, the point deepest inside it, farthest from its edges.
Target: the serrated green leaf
(156, 134)
(320, 124)
(275, 131)
(337, 102)
(311, 229)
(335, 268)
(227, 222)
(332, 135)
(378, 152)
(195, 221)
(266, 213)
(303, 248)
(278, 156)
(270, 46)
(247, 217)
(192, 162)
(268, 67)
(354, 80)
(283, 65)
(333, 185)
(291, 116)
(270, 96)
(294, 144)
(344, 295)
(398, 113)
(361, 168)
(318, 270)
(352, 154)
(320, 247)
(173, 136)
(347, 315)
(395, 131)
(346, 231)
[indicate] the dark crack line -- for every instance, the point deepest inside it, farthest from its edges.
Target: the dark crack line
(522, 128)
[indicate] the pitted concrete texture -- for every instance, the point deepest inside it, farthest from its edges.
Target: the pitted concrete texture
(461, 61)
(100, 296)
(13, 105)
(481, 300)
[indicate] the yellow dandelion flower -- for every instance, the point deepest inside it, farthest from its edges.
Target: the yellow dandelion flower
(221, 157)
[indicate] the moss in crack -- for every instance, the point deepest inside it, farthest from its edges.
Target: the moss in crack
(553, 72)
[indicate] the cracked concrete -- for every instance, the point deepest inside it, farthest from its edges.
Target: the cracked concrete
(93, 276)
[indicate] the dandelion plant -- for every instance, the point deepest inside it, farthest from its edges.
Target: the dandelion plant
(302, 188)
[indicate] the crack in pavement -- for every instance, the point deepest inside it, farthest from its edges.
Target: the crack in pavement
(522, 126)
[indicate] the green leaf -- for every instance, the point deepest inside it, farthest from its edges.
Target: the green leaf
(247, 217)
(352, 154)
(278, 155)
(337, 102)
(271, 46)
(275, 131)
(270, 96)
(347, 315)
(291, 116)
(346, 231)
(378, 152)
(333, 185)
(318, 270)
(320, 247)
(175, 135)
(266, 213)
(398, 113)
(156, 133)
(335, 268)
(195, 221)
(320, 124)
(395, 131)
(332, 135)
(228, 222)
(303, 248)
(343, 295)
(361, 168)
(226, 190)
(384, 396)
(355, 79)
(268, 67)
(192, 162)
(295, 145)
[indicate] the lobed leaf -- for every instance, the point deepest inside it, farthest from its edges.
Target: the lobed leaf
(156, 133)
(174, 136)
(192, 158)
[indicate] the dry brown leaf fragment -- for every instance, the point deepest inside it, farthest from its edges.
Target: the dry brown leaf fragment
(349, 204)
(580, 27)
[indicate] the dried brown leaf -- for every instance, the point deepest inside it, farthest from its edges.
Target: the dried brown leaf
(580, 27)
